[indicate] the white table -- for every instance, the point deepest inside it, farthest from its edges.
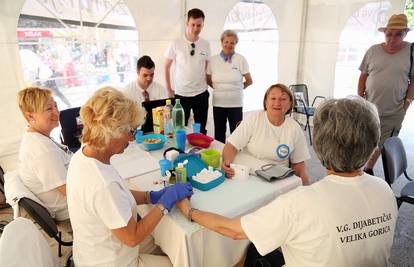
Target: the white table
(189, 244)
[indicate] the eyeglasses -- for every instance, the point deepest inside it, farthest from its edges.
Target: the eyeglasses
(133, 132)
(192, 49)
(396, 34)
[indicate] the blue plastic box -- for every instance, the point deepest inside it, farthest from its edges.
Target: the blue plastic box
(195, 165)
(154, 146)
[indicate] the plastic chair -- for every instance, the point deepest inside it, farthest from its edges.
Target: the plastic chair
(300, 93)
(45, 220)
(394, 161)
(71, 128)
(22, 244)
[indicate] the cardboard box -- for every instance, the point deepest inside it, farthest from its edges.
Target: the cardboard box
(158, 120)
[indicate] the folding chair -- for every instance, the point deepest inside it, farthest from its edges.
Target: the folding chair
(41, 216)
(71, 128)
(394, 162)
(300, 93)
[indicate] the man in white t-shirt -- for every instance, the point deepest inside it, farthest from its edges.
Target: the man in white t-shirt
(190, 54)
(144, 88)
(345, 219)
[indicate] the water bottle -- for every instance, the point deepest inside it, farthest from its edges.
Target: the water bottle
(178, 116)
(168, 124)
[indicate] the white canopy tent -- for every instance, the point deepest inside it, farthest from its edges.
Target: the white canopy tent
(310, 33)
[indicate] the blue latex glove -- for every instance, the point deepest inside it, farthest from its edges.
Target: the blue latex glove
(175, 193)
(155, 195)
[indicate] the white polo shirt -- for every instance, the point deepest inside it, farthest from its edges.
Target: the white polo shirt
(227, 78)
(134, 91)
(99, 201)
(42, 168)
(190, 71)
(274, 144)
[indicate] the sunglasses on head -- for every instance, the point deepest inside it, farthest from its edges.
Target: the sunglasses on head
(192, 49)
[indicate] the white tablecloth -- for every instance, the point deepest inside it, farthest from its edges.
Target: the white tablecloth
(189, 244)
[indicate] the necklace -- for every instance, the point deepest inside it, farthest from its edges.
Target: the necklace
(60, 146)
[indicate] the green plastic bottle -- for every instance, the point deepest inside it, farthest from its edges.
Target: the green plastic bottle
(181, 173)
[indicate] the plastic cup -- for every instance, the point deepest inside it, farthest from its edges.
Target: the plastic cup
(138, 137)
(165, 165)
(196, 127)
(211, 157)
(180, 139)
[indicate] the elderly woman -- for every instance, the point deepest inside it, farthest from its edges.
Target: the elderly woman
(270, 135)
(102, 209)
(43, 163)
(345, 219)
(225, 73)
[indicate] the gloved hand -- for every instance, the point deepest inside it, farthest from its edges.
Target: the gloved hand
(175, 193)
(155, 195)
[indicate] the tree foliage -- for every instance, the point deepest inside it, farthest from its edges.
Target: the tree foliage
(409, 11)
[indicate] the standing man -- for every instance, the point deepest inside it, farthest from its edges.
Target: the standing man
(385, 70)
(191, 54)
(144, 88)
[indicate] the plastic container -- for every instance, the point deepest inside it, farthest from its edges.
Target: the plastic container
(156, 145)
(167, 114)
(211, 157)
(198, 139)
(194, 166)
(178, 116)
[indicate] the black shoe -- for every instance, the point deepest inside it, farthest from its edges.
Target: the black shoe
(369, 171)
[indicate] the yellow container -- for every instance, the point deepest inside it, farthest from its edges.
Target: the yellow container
(158, 120)
(211, 157)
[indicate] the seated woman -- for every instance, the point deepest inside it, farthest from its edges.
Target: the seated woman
(270, 135)
(346, 219)
(102, 210)
(43, 163)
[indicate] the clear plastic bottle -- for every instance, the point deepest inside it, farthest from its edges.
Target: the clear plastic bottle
(178, 116)
(167, 114)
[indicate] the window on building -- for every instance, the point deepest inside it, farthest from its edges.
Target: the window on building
(258, 43)
(76, 47)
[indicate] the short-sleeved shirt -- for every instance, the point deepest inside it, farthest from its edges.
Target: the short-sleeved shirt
(274, 144)
(99, 201)
(135, 92)
(387, 81)
(337, 221)
(43, 167)
(190, 71)
(227, 78)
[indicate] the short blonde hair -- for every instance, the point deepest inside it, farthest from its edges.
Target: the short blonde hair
(284, 89)
(108, 114)
(33, 99)
(229, 33)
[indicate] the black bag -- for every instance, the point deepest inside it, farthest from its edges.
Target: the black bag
(411, 63)
(272, 259)
(3, 203)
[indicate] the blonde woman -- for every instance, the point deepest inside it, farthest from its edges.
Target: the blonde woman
(43, 163)
(102, 209)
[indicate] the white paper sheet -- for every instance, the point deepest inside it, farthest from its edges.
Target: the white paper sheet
(134, 162)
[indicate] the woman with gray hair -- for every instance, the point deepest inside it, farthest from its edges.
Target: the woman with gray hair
(225, 74)
(102, 209)
(345, 219)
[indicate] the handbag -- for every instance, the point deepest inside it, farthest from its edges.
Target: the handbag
(273, 171)
(411, 63)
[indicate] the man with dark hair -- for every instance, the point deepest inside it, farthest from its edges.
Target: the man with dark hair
(191, 54)
(144, 88)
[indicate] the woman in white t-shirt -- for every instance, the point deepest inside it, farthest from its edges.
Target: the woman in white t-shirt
(43, 163)
(270, 135)
(225, 73)
(102, 209)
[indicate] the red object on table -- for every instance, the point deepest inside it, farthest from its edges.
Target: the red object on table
(198, 139)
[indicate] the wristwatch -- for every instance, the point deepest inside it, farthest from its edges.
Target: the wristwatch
(162, 208)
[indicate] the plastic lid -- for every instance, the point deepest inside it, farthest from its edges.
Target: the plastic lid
(180, 165)
(168, 101)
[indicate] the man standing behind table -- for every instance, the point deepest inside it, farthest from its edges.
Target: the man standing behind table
(144, 88)
(385, 71)
(191, 54)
